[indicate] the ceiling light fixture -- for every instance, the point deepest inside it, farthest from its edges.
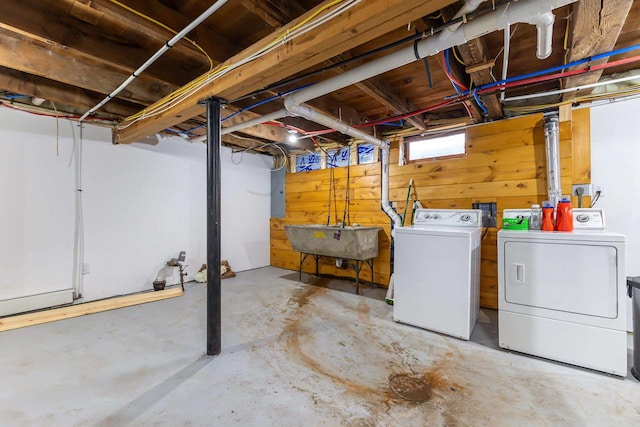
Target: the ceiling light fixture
(293, 137)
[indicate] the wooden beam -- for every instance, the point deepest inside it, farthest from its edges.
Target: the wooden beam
(62, 95)
(55, 62)
(250, 143)
(473, 53)
(271, 133)
(364, 22)
(594, 28)
(46, 316)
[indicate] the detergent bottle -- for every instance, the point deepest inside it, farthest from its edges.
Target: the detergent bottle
(564, 215)
(547, 217)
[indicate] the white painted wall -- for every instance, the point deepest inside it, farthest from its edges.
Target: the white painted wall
(615, 164)
(142, 205)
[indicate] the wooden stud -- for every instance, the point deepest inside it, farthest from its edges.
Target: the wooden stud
(46, 316)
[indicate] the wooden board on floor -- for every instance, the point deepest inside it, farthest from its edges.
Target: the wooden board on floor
(46, 316)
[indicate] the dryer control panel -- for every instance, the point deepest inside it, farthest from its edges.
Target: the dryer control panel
(588, 219)
(448, 217)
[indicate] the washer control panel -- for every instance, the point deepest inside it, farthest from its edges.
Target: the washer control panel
(448, 217)
(588, 219)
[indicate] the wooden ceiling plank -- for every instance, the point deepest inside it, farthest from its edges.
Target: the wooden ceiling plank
(594, 28)
(280, 15)
(53, 61)
(217, 46)
(27, 17)
(267, 11)
(116, 20)
(473, 53)
(363, 23)
(378, 89)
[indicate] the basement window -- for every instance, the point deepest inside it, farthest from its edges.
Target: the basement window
(439, 147)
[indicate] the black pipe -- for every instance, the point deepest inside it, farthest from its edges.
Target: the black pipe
(214, 317)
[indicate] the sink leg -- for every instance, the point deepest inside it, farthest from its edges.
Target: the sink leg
(300, 268)
(357, 277)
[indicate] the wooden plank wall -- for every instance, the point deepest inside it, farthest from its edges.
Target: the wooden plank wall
(504, 163)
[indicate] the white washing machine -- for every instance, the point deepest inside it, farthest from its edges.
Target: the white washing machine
(437, 271)
(562, 294)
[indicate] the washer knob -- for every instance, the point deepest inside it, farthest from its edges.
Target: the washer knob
(582, 218)
(465, 218)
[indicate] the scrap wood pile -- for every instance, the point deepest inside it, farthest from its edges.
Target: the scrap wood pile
(225, 272)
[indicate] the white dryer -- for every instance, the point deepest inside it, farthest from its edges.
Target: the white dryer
(562, 294)
(437, 271)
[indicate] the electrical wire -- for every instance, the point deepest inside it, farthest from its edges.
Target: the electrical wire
(171, 30)
(453, 49)
(502, 83)
(287, 35)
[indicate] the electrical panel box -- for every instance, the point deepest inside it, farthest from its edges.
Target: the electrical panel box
(489, 211)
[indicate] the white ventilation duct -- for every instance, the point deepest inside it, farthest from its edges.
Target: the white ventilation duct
(510, 13)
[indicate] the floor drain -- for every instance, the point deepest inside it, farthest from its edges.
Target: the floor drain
(410, 388)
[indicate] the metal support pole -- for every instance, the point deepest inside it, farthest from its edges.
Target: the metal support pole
(214, 317)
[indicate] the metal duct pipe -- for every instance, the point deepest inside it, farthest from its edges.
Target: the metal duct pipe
(552, 145)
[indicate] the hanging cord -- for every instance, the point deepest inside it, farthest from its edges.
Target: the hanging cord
(346, 214)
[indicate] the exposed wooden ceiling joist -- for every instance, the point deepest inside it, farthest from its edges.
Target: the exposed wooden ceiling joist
(52, 61)
(594, 28)
(474, 55)
(62, 95)
(364, 22)
(217, 46)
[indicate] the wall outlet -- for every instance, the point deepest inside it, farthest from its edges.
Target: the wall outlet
(598, 188)
(586, 188)
(86, 268)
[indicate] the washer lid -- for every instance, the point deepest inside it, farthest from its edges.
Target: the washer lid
(461, 232)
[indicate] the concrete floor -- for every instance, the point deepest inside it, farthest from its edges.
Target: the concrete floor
(293, 355)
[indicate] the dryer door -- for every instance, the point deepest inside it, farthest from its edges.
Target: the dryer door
(561, 277)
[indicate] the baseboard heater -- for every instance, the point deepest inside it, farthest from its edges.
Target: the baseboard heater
(35, 302)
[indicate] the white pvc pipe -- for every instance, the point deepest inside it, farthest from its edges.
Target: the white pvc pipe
(168, 45)
(574, 89)
(521, 11)
(544, 29)
(505, 56)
